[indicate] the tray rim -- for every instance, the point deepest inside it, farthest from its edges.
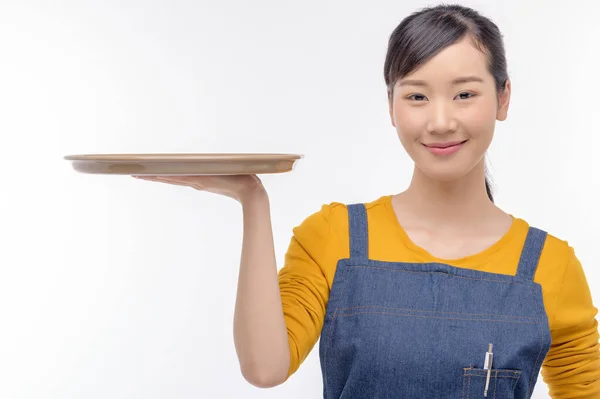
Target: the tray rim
(183, 157)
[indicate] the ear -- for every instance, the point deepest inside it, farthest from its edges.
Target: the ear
(504, 101)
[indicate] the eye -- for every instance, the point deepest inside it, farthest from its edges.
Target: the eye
(466, 93)
(413, 97)
(420, 97)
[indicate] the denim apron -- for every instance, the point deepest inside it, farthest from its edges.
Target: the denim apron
(422, 330)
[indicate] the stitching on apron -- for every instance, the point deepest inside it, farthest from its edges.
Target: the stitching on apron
(515, 377)
(469, 388)
(495, 385)
(464, 383)
(328, 344)
(515, 383)
(514, 374)
(433, 311)
(431, 317)
(448, 274)
(541, 345)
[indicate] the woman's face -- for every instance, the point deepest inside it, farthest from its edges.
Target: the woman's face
(445, 112)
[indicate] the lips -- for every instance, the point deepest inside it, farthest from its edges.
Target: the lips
(444, 149)
(445, 145)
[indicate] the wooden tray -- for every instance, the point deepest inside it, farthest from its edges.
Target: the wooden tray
(183, 164)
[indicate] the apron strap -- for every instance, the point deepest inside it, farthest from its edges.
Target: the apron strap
(359, 231)
(530, 256)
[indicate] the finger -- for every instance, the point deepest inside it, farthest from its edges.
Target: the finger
(173, 182)
(191, 181)
(160, 179)
(182, 179)
(157, 177)
(153, 178)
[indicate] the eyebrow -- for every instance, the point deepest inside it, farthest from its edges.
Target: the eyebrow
(461, 80)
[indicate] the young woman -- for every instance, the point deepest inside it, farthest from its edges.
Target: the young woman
(434, 292)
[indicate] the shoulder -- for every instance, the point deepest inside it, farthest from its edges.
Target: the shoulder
(327, 229)
(565, 284)
(556, 251)
(322, 220)
(333, 216)
(557, 248)
(556, 259)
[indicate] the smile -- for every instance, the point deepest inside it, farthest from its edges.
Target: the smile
(447, 148)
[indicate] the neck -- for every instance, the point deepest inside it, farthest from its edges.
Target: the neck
(446, 203)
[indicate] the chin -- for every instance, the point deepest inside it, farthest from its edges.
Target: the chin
(444, 173)
(445, 177)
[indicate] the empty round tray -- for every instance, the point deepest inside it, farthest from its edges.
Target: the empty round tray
(183, 164)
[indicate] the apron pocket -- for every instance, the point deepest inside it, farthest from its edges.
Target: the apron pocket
(502, 383)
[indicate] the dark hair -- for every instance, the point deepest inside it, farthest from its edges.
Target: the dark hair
(426, 32)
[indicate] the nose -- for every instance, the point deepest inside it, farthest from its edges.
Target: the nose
(442, 120)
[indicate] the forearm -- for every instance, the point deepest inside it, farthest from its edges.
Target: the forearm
(260, 332)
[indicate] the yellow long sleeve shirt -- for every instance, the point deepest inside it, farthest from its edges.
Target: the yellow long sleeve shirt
(572, 366)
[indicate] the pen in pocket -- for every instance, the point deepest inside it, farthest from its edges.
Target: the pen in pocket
(487, 365)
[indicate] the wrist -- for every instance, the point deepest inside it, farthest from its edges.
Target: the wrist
(254, 194)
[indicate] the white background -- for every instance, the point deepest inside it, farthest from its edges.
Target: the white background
(116, 288)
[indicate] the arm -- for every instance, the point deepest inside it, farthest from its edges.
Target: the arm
(266, 319)
(572, 367)
(279, 316)
(260, 334)
(305, 281)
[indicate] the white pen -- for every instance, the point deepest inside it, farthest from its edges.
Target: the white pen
(489, 357)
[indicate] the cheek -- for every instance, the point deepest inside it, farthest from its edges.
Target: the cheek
(409, 122)
(480, 120)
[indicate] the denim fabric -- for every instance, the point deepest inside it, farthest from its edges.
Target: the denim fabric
(421, 330)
